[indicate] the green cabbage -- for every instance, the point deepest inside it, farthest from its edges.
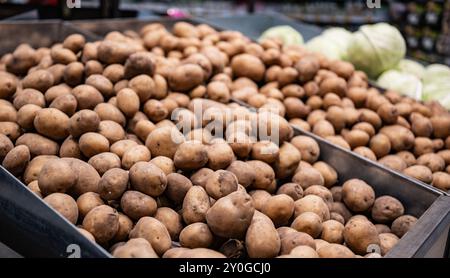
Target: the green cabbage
(410, 66)
(287, 34)
(436, 72)
(323, 45)
(404, 83)
(376, 48)
(341, 38)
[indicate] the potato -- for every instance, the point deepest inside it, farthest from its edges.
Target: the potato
(359, 235)
(87, 201)
(114, 72)
(402, 224)
(164, 163)
(56, 176)
(86, 234)
(408, 157)
(82, 122)
(307, 68)
(221, 183)
(320, 191)
(144, 86)
(441, 180)
(65, 103)
(231, 215)
(308, 222)
(190, 155)
(113, 184)
(193, 253)
(5, 146)
(154, 232)
(291, 240)
(419, 172)
(92, 67)
(393, 162)
(135, 248)
(111, 131)
(303, 251)
(26, 115)
(7, 112)
(312, 203)
(147, 178)
(380, 145)
(63, 204)
(341, 209)
(261, 239)
(356, 138)
(164, 141)
(323, 128)
(196, 235)
(422, 145)
(308, 148)
(334, 250)
(37, 144)
(185, 77)
(102, 162)
(382, 228)
(265, 175)
(279, 209)
(39, 80)
(244, 173)
(87, 96)
(333, 231)
(10, 129)
(293, 190)
(336, 192)
(8, 85)
(171, 220)
(387, 242)
(440, 126)
(16, 160)
(122, 146)
(139, 63)
(420, 125)
(307, 176)
(135, 154)
(445, 155)
(92, 143)
(137, 205)
(357, 195)
(219, 156)
(195, 205)
(177, 187)
(259, 197)
(386, 209)
(88, 177)
(265, 151)
(433, 161)
(401, 138)
(246, 65)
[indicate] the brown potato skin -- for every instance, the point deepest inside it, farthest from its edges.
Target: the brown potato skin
(87, 201)
(190, 155)
(177, 187)
(160, 142)
(196, 235)
(359, 235)
(82, 122)
(134, 155)
(333, 232)
(92, 143)
(419, 172)
(264, 174)
(402, 224)
(113, 184)
(386, 209)
(103, 162)
(56, 176)
(16, 160)
(154, 232)
(148, 178)
(357, 195)
(279, 209)
(64, 204)
(334, 250)
(172, 220)
(308, 148)
(196, 204)
(262, 239)
(294, 190)
(246, 65)
(135, 248)
(137, 205)
(309, 223)
(244, 173)
(312, 203)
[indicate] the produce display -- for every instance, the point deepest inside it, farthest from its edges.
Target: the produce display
(108, 133)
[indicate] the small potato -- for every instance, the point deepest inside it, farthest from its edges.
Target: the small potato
(441, 180)
(218, 91)
(137, 205)
(64, 204)
(433, 161)
(122, 146)
(16, 160)
(82, 122)
(333, 232)
(393, 162)
(113, 184)
(261, 239)
(292, 239)
(164, 163)
(422, 145)
(246, 65)
(408, 157)
(339, 141)
(114, 72)
(312, 203)
(198, 253)
(196, 235)
(195, 205)
(88, 177)
(34, 167)
(92, 143)
(10, 129)
(190, 155)
(7, 112)
(334, 250)
(323, 128)
(5, 146)
(143, 128)
(171, 220)
(240, 143)
(86, 234)
(308, 148)
(265, 175)
(56, 176)
(154, 232)
(109, 112)
(308, 222)
(402, 224)
(401, 138)
(328, 173)
(111, 131)
(139, 63)
(244, 173)
(308, 176)
(320, 191)
(66, 104)
(148, 178)
(134, 155)
(380, 145)
(419, 172)
(231, 215)
(221, 183)
(39, 80)
(307, 68)
(359, 235)
(177, 187)
(381, 228)
(128, 102)
(420, 125)
(357, 195)
(87, 96)
(26, 115)
(87, 201)
(279, 209)
(366, 152)
(92, 67)
(336, 192)
(386, 209)
(440, 126)
(356, 138)
(28, 96)
(74, 42)
(74, 74)
(164, 141)
(103, 162)
(135, 248)
(265, 151)
(145, 87)
(220, 155)
(185, 77)
(293, 190)
(341, 209)
(445, 155)
(387, 242)
(8, 85)
(304, 252)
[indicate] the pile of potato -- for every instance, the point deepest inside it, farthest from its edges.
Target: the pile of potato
(90, 128)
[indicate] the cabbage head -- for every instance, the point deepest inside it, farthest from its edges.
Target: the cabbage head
(410, 66)
(323, 45)
(341, 38)
(376, 48)
(404, 83)
(435, 73)
(285, 33)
